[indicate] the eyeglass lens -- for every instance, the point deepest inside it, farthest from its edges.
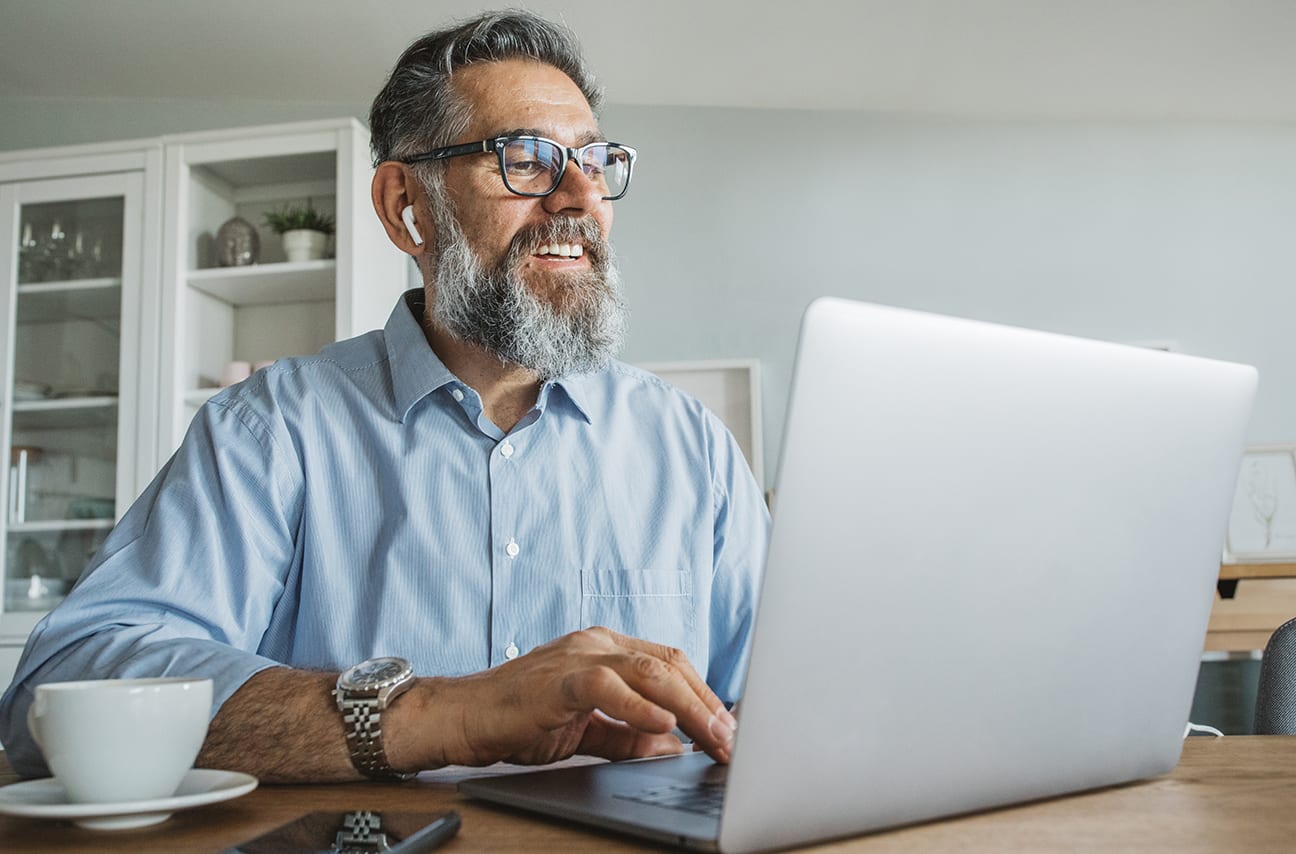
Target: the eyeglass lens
(534, 166)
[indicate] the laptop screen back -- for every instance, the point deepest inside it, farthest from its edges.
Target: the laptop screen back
(991, 569)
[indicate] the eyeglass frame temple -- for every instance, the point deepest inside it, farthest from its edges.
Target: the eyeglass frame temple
(482, 147)
(496, 144)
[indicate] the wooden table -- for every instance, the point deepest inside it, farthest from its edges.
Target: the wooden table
(1236, 793)
(1232, 573)
(1254, 599)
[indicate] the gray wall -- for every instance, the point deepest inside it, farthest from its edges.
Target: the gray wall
(1134, 233)
(738, 218)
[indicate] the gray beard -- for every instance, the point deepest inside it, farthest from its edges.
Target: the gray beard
(495, 310)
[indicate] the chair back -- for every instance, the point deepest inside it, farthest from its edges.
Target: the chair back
(1275, 712)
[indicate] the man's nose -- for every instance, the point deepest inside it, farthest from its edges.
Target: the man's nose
(576, 192)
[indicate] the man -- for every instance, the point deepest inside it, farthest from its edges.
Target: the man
(542, 539)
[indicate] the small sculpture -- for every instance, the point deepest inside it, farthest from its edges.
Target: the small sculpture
(237, 243)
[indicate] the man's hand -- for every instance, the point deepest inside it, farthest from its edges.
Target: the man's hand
(591, 692)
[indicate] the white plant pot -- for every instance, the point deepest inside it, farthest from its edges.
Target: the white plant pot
(303, 244)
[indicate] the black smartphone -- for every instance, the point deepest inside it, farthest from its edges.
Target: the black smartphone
(354, 832)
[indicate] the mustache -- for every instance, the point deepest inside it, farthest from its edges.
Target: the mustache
(584, 230)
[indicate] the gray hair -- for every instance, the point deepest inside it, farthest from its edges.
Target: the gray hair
(418, 108)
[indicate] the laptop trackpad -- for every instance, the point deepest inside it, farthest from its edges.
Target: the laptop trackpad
(674, 798)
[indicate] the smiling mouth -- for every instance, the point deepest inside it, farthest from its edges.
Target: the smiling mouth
(561, 251)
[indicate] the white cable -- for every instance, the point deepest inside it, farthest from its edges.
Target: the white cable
(1192, 727)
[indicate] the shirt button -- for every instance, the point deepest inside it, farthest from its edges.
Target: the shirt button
(457, 395)
(506, 450)
(512, 549)
(511, 651)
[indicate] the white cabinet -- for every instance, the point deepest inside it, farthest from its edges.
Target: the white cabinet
(217, 315)
(116, 322)
(79, 282)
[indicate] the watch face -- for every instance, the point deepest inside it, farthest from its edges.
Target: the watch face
(376, 671)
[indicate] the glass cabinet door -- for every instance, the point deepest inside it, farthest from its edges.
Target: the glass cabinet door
(72, 269)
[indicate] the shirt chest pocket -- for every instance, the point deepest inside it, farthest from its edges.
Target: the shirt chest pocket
(654, 606)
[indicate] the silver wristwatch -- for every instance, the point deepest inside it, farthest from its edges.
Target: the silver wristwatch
(363, 692)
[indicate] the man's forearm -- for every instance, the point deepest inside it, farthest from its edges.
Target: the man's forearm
(281, 726)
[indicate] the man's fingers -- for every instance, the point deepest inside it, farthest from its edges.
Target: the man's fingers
(675, 658)
(615, 740)
(675, 685)
(649, 695)
(653, 695)
(603, 687)
(651, 687)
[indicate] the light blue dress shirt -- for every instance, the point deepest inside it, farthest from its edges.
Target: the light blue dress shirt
(358, 502)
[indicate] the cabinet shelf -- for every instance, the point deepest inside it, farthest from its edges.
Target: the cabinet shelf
(76, 412)
(213, 316)
(83, 299)
(69, 285)
(58, 525)
(268, 284)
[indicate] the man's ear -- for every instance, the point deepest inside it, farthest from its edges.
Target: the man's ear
(394, 189)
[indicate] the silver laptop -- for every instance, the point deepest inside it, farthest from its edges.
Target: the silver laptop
(992, 564)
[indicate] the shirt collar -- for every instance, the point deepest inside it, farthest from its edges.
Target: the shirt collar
(417, 372)
(577, 388)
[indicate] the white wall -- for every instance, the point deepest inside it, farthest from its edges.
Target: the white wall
(738, 218)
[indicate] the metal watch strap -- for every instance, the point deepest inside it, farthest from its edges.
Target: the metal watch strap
(361, 833)
(362, 718)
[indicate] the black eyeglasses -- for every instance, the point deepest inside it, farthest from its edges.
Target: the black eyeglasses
(534, 166)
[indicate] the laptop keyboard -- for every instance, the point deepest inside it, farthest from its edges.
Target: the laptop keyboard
(700, 798)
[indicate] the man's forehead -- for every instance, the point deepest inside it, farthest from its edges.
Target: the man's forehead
(587, 136)
(523, 96)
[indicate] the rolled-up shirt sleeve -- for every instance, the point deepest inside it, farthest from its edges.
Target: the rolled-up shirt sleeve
(188, 581)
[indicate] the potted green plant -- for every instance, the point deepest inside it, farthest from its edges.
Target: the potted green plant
(304, 230)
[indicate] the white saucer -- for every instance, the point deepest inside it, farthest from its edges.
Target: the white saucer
(47, 799)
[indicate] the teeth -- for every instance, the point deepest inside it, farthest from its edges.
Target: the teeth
(567, 250)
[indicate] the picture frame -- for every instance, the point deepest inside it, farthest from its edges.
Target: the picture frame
(1262, 522)
(731, 388)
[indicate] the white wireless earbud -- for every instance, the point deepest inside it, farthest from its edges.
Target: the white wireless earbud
(408, 216)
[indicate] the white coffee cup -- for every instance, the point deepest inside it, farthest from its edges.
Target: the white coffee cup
(116, 740)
